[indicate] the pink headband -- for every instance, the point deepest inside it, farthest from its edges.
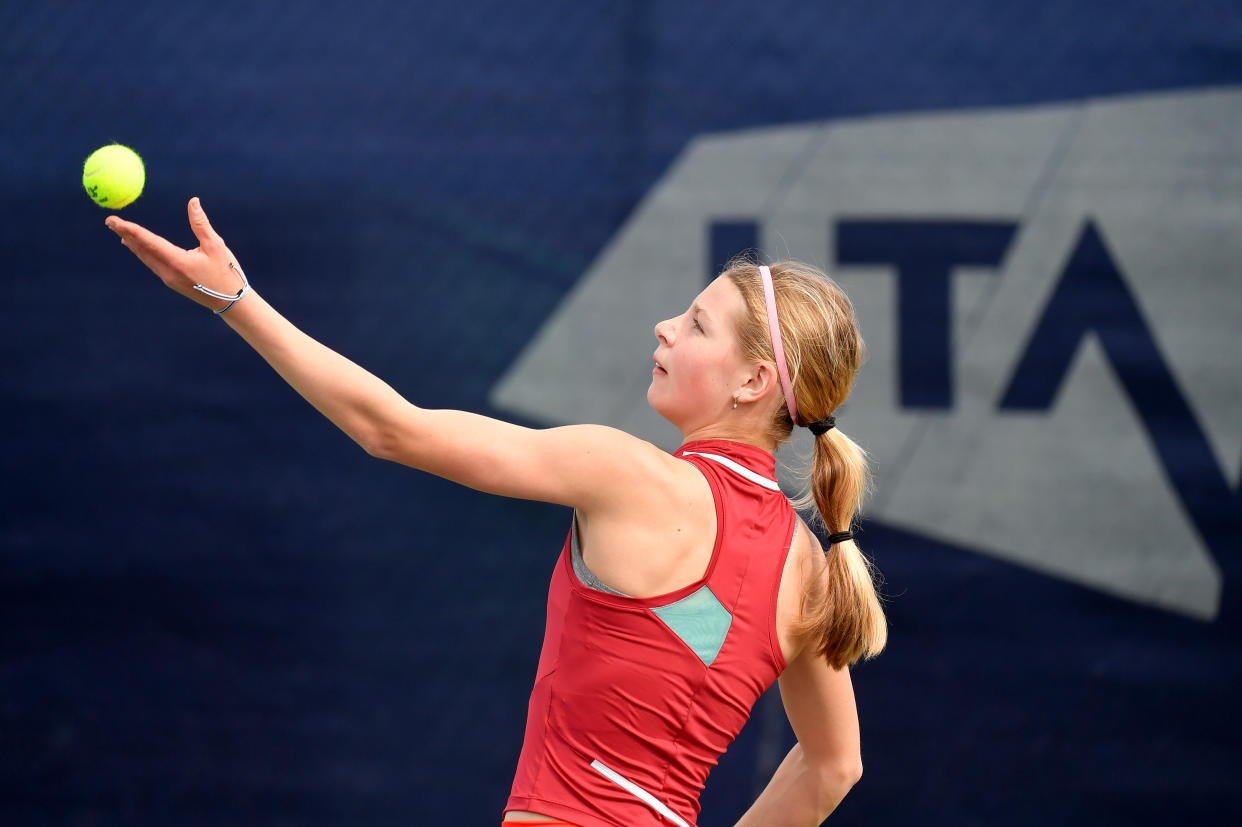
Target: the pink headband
(775, 327)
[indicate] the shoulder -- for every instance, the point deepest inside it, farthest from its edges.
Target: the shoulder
(617, 466)
(804, 566)
(615, 451)
(605, 441)
(806, 554)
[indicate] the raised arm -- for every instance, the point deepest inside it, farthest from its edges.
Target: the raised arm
(825, 763)
(584, 466)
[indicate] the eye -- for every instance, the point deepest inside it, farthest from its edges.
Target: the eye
(697, 326)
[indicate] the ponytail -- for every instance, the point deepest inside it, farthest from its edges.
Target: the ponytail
(842, 618)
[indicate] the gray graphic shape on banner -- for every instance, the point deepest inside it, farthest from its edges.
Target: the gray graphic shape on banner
(1076, 489)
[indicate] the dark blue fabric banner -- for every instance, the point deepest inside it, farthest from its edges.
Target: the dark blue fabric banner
(216, 609)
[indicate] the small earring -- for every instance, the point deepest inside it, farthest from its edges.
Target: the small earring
(735, 401)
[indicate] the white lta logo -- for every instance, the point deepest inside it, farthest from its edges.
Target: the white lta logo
(1052, 301)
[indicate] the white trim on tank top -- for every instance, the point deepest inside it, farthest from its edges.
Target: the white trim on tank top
(638, 792)
(738, 469)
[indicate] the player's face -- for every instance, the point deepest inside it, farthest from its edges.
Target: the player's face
(699, 364)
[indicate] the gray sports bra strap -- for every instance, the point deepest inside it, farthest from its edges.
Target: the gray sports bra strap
(585, 576)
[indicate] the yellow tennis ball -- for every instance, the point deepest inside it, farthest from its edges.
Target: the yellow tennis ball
(113, 176)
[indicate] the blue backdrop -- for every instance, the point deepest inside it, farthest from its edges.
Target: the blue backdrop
(215, 609)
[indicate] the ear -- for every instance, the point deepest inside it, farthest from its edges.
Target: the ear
(760, 382)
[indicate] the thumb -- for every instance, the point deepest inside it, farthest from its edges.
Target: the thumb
(207, 237)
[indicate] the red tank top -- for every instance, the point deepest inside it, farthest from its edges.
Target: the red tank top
(636, 699)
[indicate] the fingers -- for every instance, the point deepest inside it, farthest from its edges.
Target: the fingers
(207, 237)
(145, 244)
(154, 264)
(143, 252)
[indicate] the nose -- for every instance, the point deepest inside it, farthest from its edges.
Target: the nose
(663, 330)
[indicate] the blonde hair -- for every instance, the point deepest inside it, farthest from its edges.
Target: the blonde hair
(841, 613)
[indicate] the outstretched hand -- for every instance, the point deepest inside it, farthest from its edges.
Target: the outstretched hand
(211, 264)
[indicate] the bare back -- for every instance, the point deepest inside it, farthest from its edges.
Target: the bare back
(663, 542)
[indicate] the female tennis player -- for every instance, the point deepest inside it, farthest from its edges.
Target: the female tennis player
(687, 584)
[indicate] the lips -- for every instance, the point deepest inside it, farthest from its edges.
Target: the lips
(658, 370)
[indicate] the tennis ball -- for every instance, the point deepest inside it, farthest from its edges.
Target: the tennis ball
(113, 176)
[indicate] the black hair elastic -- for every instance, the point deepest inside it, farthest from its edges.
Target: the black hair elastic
(840, 537)
(823, 426)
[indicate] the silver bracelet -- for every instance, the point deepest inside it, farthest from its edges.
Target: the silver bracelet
(231, 299)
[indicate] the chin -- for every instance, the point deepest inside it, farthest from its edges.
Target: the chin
(653, 400)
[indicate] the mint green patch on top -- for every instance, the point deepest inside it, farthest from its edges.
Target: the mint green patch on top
(700, 620)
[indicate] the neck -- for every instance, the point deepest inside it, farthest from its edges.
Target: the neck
(761, 441)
